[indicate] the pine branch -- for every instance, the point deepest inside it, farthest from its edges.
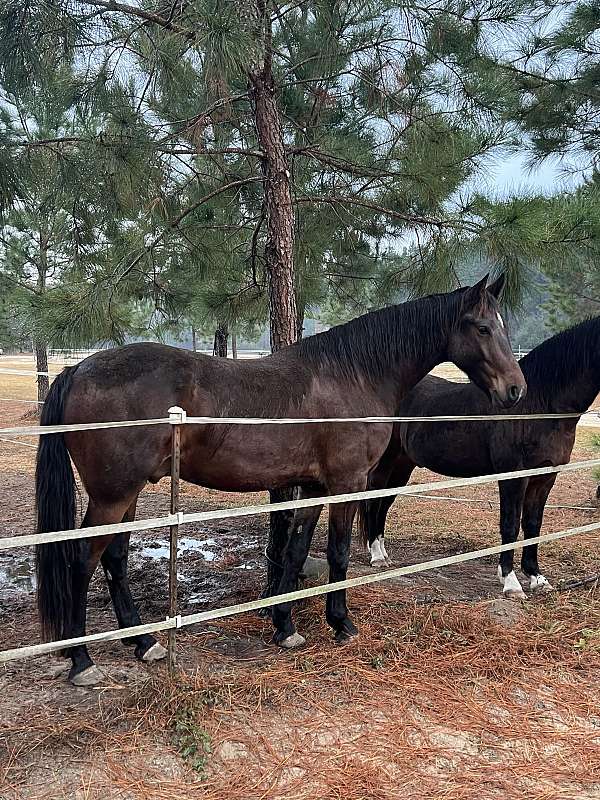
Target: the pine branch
(140, 13)
(414, 219)
(174, 223)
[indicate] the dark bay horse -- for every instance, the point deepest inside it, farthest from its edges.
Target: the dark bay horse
(363, 368)
(563, 375)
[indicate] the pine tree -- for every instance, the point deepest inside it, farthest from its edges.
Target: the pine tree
(49, 228)
(376, 124)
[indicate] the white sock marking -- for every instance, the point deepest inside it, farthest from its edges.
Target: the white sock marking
(512, 585)
(538, 582)
(376, 551)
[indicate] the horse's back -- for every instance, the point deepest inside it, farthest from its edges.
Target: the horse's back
(142, 381)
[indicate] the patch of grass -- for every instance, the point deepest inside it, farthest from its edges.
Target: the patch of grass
(589, 639)
(377, 662)
(306, 664)
(595, 445)
(193, 743)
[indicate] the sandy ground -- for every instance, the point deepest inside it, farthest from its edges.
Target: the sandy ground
(448, 692)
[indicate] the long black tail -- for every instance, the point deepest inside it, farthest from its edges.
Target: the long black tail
(55, 499)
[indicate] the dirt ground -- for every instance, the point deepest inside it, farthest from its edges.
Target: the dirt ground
(448, 692)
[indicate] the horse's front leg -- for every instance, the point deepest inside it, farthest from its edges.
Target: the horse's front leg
(533, 515)
(512, 494)
(294, 556)
(341, 518)
(398, 474)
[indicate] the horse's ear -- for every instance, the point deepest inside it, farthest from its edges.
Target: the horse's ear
(497, 287)
(475, 294)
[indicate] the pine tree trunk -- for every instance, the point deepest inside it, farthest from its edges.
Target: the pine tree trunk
(279, 206)
(279, 255)
(194, 348)
(40, 348)
(234, 352)
(220, 342)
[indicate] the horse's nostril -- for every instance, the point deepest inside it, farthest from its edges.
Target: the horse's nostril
(514, 393)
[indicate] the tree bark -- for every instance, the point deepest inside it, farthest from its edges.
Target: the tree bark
(279, 252)
(234, 352)
(40, 348)
(279, 255)
(220, 342)
(194, 348)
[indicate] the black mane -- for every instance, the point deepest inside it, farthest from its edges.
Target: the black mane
(562, 359)
(372, 344)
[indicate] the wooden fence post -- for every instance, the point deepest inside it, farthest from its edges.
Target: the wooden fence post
(177, 419)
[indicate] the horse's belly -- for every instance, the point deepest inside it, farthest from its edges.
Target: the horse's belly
(250, 463)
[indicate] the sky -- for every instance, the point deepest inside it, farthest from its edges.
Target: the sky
(513, 173)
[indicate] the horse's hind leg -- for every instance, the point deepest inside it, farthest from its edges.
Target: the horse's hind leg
(398, 474)
(83, 671)
(512, 494)
(303, 528)
(533, 516)
(114, 561)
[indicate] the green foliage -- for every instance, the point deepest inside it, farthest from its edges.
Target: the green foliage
(191, 741)
(128, 131)
(560, 100)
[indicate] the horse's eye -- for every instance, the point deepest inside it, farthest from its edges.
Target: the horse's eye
(483, 330)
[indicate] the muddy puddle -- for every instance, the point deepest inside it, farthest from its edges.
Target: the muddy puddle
(206, 565)
(17, 573)
(209, 564)
(159, 548)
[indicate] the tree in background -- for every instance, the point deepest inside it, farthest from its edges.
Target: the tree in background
(554, 71)
(49, 227)
(372, 123)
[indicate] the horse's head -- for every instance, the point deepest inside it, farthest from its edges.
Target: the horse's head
(480, 346)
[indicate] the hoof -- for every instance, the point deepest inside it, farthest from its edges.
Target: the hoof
(379, 563)
(293, 640)
(92, 676)
(515, 594)
(155, 653)
(346, 633)
(539, 584)
(512, 588)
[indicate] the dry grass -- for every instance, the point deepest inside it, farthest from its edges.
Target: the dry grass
(430, 702)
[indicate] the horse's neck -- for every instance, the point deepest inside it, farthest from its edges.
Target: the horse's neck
(414, 367)
(389, 351)
(575, 394)
(579, 394)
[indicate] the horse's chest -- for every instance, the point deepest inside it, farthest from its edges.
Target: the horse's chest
(550, 446)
